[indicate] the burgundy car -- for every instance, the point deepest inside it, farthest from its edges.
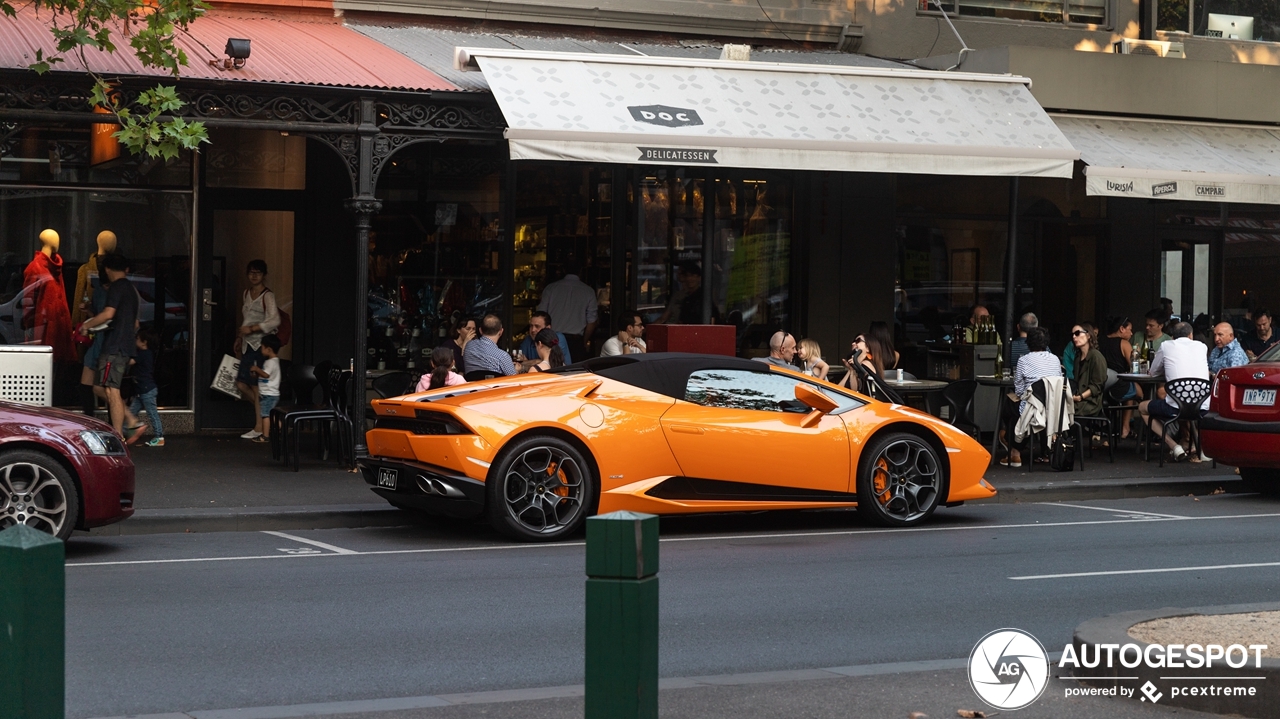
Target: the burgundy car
(61, 471)
(1243, 425)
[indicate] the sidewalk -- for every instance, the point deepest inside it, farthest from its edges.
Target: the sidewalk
(224, 483)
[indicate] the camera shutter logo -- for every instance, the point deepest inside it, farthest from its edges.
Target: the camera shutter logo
(1008, 669)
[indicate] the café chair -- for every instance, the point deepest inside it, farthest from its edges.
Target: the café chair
(1098, 423)
(394, 384)
(1191, 392)
(303, 380)
(959, 398)
(479, 375)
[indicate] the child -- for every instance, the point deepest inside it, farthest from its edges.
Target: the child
(268, 385)
(811, 358)
(442, 374)
(144, 380)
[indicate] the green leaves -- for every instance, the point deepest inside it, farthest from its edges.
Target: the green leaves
(147, 125)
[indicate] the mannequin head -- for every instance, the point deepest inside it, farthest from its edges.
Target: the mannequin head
(49, 242)
(106, 242)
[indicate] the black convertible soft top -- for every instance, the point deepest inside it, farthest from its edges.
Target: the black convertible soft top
(666, 373)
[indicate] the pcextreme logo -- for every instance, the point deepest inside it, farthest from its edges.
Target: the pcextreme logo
(1008, 669)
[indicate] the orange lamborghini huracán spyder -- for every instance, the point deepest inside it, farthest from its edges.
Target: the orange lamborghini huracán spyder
(667, 434)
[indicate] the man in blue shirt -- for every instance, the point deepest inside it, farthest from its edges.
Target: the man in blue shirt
(483, 352)
(1226, 351)
(539, 321)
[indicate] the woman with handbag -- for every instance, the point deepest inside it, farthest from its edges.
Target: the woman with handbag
(261, 317)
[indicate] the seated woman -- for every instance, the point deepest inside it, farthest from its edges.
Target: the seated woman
(1035, 365)
(1090, 370)
(1118, 352)
(881, 332)
(867, 352)
(550, 356)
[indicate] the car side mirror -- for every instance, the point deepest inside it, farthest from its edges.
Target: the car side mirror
(814, 399)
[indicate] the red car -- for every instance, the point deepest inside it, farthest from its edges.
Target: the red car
(1243, 425)
(61, 471)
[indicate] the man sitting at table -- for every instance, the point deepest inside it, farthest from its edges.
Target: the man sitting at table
(1035, 365)
(1226, 351)
(1178, 358)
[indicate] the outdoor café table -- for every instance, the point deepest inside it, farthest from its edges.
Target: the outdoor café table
(917, 387)
(1149, 383)
(1003, 383)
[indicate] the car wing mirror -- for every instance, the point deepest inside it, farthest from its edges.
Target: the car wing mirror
(819, 403)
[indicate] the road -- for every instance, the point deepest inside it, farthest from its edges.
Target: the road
(161, 623)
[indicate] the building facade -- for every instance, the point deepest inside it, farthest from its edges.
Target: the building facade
(390, 210)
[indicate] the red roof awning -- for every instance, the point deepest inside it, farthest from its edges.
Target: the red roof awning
(300, 49)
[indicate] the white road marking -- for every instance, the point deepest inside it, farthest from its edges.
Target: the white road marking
(314, 543)
(1160, 570)
(1117, 511)
(718, 537)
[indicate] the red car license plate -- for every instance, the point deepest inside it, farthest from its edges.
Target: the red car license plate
(1259, 397)
(387, 477)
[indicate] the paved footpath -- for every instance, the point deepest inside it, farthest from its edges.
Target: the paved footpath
(206, 623)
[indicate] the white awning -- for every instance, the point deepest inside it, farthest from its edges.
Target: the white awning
(686, 111)
(1177, 160)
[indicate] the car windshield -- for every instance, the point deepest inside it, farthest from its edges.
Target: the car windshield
(1271, 355)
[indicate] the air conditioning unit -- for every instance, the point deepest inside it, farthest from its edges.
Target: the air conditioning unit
(1155, 48)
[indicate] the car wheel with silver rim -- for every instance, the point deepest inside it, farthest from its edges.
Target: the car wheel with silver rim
(540, 489)
(37, 491)
(900, 480)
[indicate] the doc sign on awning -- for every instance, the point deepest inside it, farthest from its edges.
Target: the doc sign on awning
(1168, 160)
(665, 110)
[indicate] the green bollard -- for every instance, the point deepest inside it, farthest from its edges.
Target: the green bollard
(622, 616)
(32, 624)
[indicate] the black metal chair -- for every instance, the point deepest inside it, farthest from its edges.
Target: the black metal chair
(303, 380)
(329, 412)
(394, 384)
(959, 398)
(1190, 392)
(480, 375)
(1102, 421)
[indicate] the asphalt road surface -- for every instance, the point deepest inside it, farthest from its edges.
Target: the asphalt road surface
(164, 623)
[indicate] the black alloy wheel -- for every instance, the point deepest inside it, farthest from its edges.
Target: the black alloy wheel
(900, 480)
(37, 491)
(540, 489)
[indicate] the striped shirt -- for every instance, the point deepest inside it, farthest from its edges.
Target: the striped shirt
(483, 354)
(1031, 368)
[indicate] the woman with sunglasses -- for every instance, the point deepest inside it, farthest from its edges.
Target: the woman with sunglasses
(1090, 370)
(870, 353)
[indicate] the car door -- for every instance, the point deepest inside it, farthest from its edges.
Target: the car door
(731, 427)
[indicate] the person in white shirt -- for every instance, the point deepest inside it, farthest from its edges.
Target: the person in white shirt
(573, 303)
(1178, 358)
(268, 385)
(628, 340)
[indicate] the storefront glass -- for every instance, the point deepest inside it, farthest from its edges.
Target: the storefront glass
(42, 297)
(435, 253)
(1251, 265)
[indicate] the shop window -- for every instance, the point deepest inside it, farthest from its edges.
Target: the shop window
(1079, 12)
(746, 266)
(153, 229)
(255, 159)
(1251, 264)
(1225, 19)
(434, 253)
(564, 225)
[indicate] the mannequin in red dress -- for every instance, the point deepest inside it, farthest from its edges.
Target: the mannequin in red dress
(45, 316)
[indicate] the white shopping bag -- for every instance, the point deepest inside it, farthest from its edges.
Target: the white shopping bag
(224, 380)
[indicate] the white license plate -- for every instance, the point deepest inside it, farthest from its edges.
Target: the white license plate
(387, 477)
(1259, 398)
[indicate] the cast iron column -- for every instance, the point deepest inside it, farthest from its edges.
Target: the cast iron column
(1011, 272)
(364, 205)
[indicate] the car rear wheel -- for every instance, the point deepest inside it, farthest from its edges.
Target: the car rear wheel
(37, 491)
(540, 489)
(900, 480)
(1262, 481)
